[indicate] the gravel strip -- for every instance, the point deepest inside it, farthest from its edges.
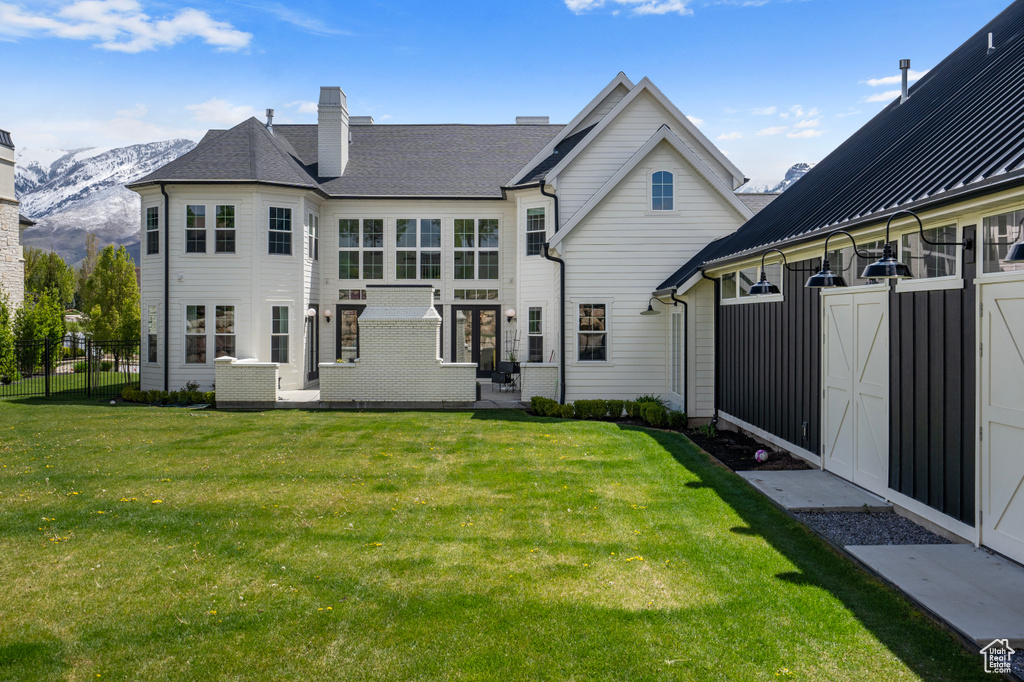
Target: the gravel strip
(859, 528)
(1017, 663)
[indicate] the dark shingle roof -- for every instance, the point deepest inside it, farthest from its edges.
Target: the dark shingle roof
(384, 160)
(561, 149)
(26, 222)
(5, 139)
(756, 201)
(961, 129)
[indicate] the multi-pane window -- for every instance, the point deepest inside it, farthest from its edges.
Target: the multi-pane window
(662, 194)
(418, 254)
(998, 233)
(225, 229)
(195, 334)
(535, 335)
(279, 234)
(927, 261)
(361, 245)
(151, 334)
(224, 331)
(348, 331)
(313, 236)
(152, 230)
(474, 294)
(195, 229)
(279, 334)
(476, 248)
(592, 332)
(351, 294)
(536, 234)
(729, 285)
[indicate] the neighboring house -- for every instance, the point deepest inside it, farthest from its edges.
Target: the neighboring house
(12, 262)
(913, 390)
(261, 223)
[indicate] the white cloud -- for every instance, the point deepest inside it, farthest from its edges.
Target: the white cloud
(886, 96)
(635, 6)
(304, 22)
(894, 80)
(696, 121)
(764, 111)
(735, 135)
(138, 111)
(120, 26)
(809, 123)
(777, 130)
(303, 107)
(221, 112)
(807, 132)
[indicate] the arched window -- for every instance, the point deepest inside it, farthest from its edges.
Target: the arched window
(662, 191)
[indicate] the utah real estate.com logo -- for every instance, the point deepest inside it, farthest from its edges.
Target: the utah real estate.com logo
(998, 656)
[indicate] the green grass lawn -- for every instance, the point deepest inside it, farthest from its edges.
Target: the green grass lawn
(105, 383)
(146, 543)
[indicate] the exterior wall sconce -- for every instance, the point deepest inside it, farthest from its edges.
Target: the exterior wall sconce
(887, 267)
(1016, 252)
(327, 315)
(825, 278)
(650, 308)
(510, 315)
(311, 313)
(763, 286)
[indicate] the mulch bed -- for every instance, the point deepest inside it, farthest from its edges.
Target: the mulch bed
(736, 451)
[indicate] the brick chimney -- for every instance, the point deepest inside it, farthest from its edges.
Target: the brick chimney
(332, 132)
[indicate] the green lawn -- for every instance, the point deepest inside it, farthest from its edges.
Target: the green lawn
(105, 383)
(148, 543)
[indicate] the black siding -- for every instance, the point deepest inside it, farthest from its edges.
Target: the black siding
(770, 364)
(932, 396)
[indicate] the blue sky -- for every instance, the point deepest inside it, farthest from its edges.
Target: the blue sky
(772, 82)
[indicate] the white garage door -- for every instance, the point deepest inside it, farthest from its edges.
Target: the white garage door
(1002, 418)
(855, 376)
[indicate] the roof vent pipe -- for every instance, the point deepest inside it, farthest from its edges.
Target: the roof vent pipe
(270, 120)
(904, 67)
(991, 45)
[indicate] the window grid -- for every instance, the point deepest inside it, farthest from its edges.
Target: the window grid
(279, 234)
(535, 332)
(999, 232)
(279, 334)
(476, 244)
(927, 261)
(225, 229)
(418, 254)
(473, 294)
(152, 230)
(662, 195)
(536, 233)
(195, 229)
(195, 335)
(312, 236)
(592, 332)
(224, 331)
(151, 334)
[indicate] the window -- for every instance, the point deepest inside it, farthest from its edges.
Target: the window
(927, 261)
(998, 233)
(348, 333)
(746, 278)
(151, 335)
(535, 334)
(313, 236)
(536, 233)
(736, 285)
(279, 334)
(195, 335)
(728, 286)
(676, 350)
(364, 246)
(476, 244)
(280, 233)
(195, 229)
(475, 294)
(351, 294)
(224, 332)
(418, 253)
(152, 230)
(225, 229)
(662, 194)
(592, 334)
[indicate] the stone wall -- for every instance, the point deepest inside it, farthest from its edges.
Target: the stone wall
(12, 264)
(399, 360)
(245, 383)
(539, 378)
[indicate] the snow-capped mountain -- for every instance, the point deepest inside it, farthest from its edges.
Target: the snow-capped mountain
(71, 192)
(795, 172)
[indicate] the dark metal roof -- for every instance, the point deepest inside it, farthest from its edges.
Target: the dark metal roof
(963, 126)
(561, 149)
(5, 139)
(384, 160)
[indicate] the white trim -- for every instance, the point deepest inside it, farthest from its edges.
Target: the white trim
(663, 134)
(773, 439)
(649, 209)
(835, 291)
(690, 283)
(608, 304)
(932, 515)
(929, 284)
(999, 277)
(549, 148)
(747, 300)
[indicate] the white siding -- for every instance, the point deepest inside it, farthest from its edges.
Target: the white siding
(602, 109)
(701, 383)
(537, 279)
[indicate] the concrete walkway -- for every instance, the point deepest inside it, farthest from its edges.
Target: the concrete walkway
(979, 594)
(813, 490)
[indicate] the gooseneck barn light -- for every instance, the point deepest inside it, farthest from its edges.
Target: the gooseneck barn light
(825, 278)
(887, 267)
(1016, 252)
(650, 308)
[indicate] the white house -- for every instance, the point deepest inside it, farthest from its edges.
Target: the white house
(12, 262)
(261, 243)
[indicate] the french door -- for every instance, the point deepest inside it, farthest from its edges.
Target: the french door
(476, 332)
(313, 345)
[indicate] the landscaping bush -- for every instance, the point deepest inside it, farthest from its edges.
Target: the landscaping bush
(80, 367)
(654, 414)
(106, 365)
(133, 395)
(568, 411)
(615, 408)
(677, 420)
(590, 409)
(632, 409)
(656, 399)
(545, 407)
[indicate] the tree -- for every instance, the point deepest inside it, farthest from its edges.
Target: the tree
(111, 301)
(8, 362)
(39, 321)
(46, 270)
(86, 269)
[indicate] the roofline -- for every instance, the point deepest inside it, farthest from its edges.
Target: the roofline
(369, 197)
(685, 286)
(663, 134)
(549, 148)
(980, 189)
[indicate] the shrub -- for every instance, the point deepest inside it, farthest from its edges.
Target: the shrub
(106, 365)
(654, 414)
(677, 420)
(632, 409)
(615, 408)
(80, 367)
(545, 407)
(568, 411)
(133, 395)
(590, 409)
(656, 399)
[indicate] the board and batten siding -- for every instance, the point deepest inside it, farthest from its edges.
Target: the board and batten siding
(618, 255)
(615, 145)
(932, 395)
(770, 362)
(701, 348)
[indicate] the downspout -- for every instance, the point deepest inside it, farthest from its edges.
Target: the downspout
(167, 288)
(553, 196)
(686, 350)
(561, 318)
(718, 337)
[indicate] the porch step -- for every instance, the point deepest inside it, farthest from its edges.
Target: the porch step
(814, 490)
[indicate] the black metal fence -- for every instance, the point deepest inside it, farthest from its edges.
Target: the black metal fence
(75, 365)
